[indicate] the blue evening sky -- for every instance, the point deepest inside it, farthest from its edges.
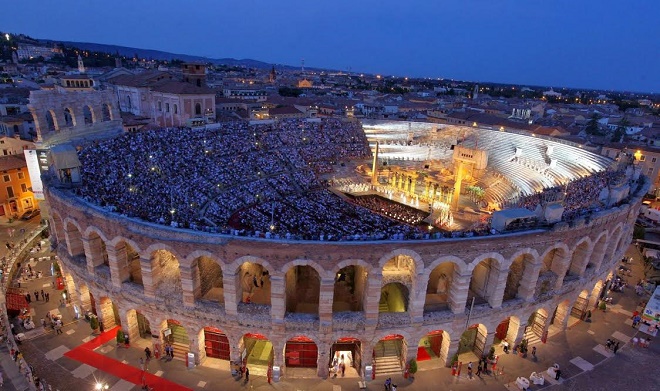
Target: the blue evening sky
(604, 44)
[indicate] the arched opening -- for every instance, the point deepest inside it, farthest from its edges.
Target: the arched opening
(177, 336)
(578, 261)
(74, 245)
(107, 113)
(107, 313)
(597, 254)
(301, 352)
(138, 325)
(472, 344)
(506, 333)
(257, 353)
(393, 298)
(253, 282)
(349, 352)
(400, 265)
(209, 286)
(303, 288)
(349, 288)
(88, 115)
(536, 326)
(128, 260)
(51, 121)
(216, 344)
(57, 229)
(388, 355)
(611, 248)
(69, 119)
(483, 282)
(85, 298)
(549, 273)
(98, 255)
(560, 317)
(515, 276)
(437, 290)
(198, 109)
(596, 294)
(434, 347)
(166, 275)
(579, 310)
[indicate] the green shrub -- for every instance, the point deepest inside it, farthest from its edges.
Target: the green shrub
(412, 366)
(121, 338)
(94, 323)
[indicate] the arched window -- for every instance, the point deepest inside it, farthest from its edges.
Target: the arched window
(68, 118)
(106, 110)
(176, 109)
(198, 109)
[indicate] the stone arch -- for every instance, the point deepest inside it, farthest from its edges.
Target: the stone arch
(106, 110)
(137, 325)
(51, 121)
(611, 247)
(179, 337)
(554, 261)
(214, 343)
(418, 263)
(124, 256)
(596, 293)
(107, 312)
(301, 350)
(247, 269)
(96, 252)
(484, 280)
(73, 235)
(253, 343)
(598, 252)
(88, 115)
(69, 117)
(394, 297)
(58, 227)
(350, 285)
(519, 273)
(579, 258)
(304, 262)
(401, 266)
(620, 243)
(537, 324)
(207, 277)
(161, 276)
(439, 283)
(434, 346)
(473, 340)
(580, 306)
(302, 286)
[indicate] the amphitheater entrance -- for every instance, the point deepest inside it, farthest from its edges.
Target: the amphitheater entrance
(515, 276)
(388, 355)
(483, 282)
(579, 309)
(303, 288)
(350, 283)
(300, 357)
(472, 344)
(349, 352)
(137, 321)
(176, 335)
(209, 277)
(506, 331)
(596, 294)
(257, 353)
(99, 256)
(255, 284)
(559, 318)
(434, 348)
(437, 290)
(216, 344)
(393, 298)
(534, 333)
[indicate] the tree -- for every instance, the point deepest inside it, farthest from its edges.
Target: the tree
(121, 338)
(94, 323)
(593, 126)
(412, 367)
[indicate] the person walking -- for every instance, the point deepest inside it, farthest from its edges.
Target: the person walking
(147, 353)
(469, 368)
(247, 374)
(534, 352)
(479, 369)
(616, 347)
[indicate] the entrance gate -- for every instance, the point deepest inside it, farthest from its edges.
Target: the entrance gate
(580, 307)
(216, 343)
(301, 352)
(538, 324)
(352, 347)
(143, 325)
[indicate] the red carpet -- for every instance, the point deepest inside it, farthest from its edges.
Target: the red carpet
(422, 354)
(85, 354)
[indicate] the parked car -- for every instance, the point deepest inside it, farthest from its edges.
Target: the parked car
(30, 214)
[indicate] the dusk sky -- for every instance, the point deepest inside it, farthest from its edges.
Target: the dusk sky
(604, 44)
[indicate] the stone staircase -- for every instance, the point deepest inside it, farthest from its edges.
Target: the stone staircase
(387, 359)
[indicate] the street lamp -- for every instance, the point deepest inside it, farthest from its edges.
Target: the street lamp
(101, 386)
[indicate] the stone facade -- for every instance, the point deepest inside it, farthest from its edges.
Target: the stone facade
(154, 270)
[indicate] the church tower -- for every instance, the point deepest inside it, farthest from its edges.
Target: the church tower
(272, 76)
(81, 66)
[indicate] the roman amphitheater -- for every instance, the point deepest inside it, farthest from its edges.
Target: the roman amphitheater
(296, 244)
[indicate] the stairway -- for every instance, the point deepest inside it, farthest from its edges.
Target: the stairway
(383, 307)
(387, 358)
(180, 342)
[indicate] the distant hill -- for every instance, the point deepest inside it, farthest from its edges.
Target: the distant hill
(160, 55)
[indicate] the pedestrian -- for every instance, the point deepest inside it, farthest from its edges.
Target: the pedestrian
(469, 368)
(43, 297)
(479, 369)
(388, 384)
(343, 369)
(557, 374)
(534, 352)
(47, 297)
(616, 347)
(636, 320)
(147, 353)
(247, 374)
(36, 295)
